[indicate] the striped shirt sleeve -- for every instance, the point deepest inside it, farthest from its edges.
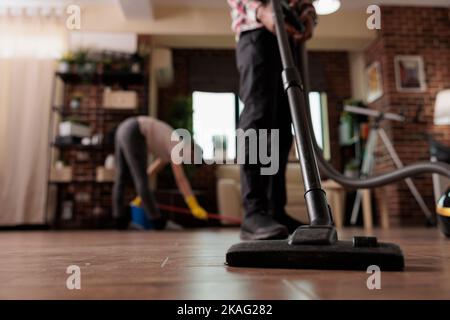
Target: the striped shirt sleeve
(243, 15)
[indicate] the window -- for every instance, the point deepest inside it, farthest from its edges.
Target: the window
(214, 124)
(316, 116)
(319, 120)
(215, 121)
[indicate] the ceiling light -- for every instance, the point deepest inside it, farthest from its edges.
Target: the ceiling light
(324, 7)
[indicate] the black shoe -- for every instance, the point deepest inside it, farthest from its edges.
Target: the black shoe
(286, 220)
(122, 223)
(159, 224)
(262, 227)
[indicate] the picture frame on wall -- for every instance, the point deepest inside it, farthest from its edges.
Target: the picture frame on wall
(410, 74)
(374, 82)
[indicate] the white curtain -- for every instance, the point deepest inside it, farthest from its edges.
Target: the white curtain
(28, 48)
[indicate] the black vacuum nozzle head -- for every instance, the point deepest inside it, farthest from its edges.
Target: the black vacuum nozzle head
(341, 255)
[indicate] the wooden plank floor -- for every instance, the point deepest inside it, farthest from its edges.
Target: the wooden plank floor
(190, 265)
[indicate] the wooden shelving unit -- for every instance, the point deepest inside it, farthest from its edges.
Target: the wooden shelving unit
(90, 199)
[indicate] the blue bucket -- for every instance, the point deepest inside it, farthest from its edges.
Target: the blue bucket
(139, 219)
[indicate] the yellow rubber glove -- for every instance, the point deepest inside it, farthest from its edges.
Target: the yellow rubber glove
(137, 202)
(196, 210)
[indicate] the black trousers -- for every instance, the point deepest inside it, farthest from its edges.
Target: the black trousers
(131, 166)
(266, 107)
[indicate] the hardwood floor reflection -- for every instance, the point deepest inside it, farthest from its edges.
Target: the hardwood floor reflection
(190, 265)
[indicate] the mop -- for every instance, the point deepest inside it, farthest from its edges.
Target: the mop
(137, 202)
(212, 216)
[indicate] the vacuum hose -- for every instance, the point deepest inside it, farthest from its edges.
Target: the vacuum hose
(369, 182)
(383, 179)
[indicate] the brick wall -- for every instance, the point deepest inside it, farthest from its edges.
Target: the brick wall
(333, 77)
(411, 31)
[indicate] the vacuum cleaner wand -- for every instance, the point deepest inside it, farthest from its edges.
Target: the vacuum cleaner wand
(316, 202)
(315, 246)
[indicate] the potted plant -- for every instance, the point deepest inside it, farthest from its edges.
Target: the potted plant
(82, 61)
(66, 62)
(75, 101)
(181, 113)
(180, 117)
(106, 63)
